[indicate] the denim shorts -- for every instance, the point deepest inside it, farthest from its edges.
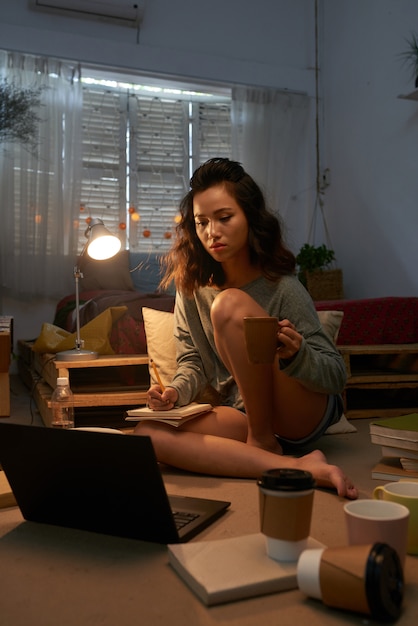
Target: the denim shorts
(332, 415)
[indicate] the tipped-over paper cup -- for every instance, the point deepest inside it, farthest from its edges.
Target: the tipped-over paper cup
(286, 500)
(364, 579)
(261, 339)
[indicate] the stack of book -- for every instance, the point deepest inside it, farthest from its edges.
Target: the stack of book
(398, 438)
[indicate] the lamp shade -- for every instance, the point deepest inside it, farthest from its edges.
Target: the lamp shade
(102, 244)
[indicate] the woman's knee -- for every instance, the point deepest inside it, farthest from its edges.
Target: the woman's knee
(231, 304)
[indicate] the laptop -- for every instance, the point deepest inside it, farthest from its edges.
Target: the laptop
(100, 482)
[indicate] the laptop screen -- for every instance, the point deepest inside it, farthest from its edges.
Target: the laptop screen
(95, 481)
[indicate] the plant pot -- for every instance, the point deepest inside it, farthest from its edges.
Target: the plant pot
(325, 284)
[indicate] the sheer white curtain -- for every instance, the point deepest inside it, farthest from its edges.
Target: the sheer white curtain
(270, 137)
(40, 189)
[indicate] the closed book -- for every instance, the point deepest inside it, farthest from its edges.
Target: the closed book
(402, 427)
(410, 465)
(226, 570)
(399, 452)
(173, 416)
(390, 468)
(394, 442)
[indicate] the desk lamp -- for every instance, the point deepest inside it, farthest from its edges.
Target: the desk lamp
(100, 245)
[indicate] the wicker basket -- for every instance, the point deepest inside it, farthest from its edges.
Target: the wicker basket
(325, 284)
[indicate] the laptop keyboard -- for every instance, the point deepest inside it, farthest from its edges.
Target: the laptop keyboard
(182, 518)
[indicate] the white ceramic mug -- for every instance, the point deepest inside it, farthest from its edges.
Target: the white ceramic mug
(369, 521)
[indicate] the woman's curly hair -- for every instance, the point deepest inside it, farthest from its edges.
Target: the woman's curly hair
(190, 266)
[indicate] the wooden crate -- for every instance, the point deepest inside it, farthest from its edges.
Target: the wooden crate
(100, 385)
(382, 380)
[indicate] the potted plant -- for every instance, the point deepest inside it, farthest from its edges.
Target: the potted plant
(410, 57)
(314, 272)
(19, 118)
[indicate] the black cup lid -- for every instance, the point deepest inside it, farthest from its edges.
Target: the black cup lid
(286, 480)
(384, 583)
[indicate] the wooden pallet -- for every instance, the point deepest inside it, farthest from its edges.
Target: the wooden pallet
(382, 380)
(95, 394)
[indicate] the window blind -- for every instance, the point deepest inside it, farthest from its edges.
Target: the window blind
(138, 154)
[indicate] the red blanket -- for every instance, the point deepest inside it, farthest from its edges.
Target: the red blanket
(375, 320)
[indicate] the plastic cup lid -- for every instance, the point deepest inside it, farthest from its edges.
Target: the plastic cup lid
(384, 583)
(287, 480)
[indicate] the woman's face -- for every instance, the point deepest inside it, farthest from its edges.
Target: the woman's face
(221, 224)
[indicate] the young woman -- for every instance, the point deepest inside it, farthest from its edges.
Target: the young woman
(229, 261)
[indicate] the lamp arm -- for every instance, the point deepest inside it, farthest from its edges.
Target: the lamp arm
(77, 275)
(79, 343)
(77, 354)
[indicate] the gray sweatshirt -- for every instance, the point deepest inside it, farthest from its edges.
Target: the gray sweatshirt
(317, 365)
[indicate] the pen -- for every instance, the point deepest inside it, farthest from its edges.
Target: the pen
(157, 375)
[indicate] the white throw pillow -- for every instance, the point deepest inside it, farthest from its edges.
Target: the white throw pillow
(159, 331)
(341, 427)
(331, 322)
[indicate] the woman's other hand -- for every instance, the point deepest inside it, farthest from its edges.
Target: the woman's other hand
(289, 340)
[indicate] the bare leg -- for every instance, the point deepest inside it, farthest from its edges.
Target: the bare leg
(274, 403)
(255, 382)
(217, 443)
(222, 456)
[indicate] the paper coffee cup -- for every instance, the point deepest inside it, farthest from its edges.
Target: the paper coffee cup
(261, 339)
(285, 505)
(369, 521)
(406, 493)
(364, 579)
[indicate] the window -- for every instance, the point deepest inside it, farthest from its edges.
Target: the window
(140, 146)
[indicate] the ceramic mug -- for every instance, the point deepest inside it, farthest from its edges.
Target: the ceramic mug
(406, 493)
(370, 520)
(261, 338)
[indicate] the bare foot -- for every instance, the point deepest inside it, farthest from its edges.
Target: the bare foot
(328, 475)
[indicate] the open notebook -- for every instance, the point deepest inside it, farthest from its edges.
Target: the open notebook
(100, 482)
